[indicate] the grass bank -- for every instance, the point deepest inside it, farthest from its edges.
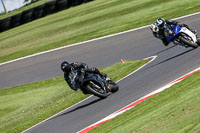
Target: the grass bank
(175, 110)
(23, 106)
(91, 20)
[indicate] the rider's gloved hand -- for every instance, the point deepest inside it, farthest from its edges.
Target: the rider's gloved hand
(95, 70)
(103, 74)
(183, 25)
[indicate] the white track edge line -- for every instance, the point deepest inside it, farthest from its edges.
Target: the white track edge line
(95, 39)
(152, 59)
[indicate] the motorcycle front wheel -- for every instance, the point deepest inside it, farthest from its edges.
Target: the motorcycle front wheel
(189, 43)
(97, 91)
(113, 87)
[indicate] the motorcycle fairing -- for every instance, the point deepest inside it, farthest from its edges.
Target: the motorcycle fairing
(94, 78)
(188, 32)
(176, 30)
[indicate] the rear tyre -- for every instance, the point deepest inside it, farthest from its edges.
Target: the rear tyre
(27, 16)
(5, 24)
(189, 43)
(15, 20)
(96, 91)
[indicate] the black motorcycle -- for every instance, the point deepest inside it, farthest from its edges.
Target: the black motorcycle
(91, 83)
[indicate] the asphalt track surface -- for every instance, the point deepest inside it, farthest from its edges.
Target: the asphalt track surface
(171, 62)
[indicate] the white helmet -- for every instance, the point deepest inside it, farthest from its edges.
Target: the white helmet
(160, 22)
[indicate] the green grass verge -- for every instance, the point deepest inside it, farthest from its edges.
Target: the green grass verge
(20, 10)
(87, 21)
(175, 110)
(23, 106)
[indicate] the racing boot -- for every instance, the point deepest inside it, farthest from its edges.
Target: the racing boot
(165, 42)
(103, 75)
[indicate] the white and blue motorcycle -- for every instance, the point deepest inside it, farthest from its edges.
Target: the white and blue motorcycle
(179, 35)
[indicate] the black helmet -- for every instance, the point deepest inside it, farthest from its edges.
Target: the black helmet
(160, 22)
(65, 66)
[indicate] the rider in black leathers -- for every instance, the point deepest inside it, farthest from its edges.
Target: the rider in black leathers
(67, 68)
(161, 24)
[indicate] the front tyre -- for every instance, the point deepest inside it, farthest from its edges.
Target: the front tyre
(97, 91)
(189, 43)
(198, 41)
(113, 87)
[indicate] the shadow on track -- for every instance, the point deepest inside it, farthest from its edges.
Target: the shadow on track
(163, 50)
(77, 108)
(169, 59)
